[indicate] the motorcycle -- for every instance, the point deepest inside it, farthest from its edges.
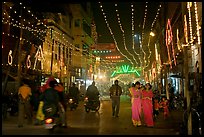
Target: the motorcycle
(91, 104)
(73, 104)
(52, 118)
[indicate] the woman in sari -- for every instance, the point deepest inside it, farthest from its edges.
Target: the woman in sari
(147, 105)
(135, 95)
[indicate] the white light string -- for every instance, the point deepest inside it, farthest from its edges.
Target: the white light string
(150, 36)
(133, 32)
(121, 28)
(104, 15)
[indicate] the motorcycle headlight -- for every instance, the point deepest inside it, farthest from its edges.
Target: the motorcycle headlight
(70, 100)
(86, 99)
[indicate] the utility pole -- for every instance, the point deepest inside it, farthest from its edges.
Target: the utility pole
(52, 51)
(186, 90)
(19, 49)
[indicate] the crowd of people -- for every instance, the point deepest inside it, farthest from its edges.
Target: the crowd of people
(145, 104)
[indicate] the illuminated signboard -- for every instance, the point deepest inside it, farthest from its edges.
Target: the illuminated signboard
(126, 69)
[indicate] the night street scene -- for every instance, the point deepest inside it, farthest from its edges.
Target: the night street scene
(102, 68)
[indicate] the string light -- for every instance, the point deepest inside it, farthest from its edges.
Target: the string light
(39, 56)
(133, 35)
(197, 25)
(10, 58)
(143, 26)
(28, 62)
(121, 28)
(189, 5)
(104, 15)
(157, 14)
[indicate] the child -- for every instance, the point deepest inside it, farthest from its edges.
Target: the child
(156, 108)
(164, 105)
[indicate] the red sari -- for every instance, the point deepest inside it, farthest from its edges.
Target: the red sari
(147, 107)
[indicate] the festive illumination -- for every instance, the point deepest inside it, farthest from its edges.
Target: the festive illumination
(133, 34)
(169, 42)
(39, 33)
(155, 19)
(141, 40)
(113, 57)
(185, 30)
(105, 18)
(28, 62)
(125, 69)
(10, 58)
(197, 25)
(189, 5)
(39, 57)
(121, 28)
(156, 52)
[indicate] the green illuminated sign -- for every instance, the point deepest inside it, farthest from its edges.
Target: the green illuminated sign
(125, 69)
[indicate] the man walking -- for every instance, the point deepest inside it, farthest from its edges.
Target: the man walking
(24, 106)
(115, 93)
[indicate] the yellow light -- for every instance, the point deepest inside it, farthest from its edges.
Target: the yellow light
(152, 34)
(49, 120)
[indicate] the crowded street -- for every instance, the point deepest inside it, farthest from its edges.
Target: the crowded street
(102, 68)
(99, 123)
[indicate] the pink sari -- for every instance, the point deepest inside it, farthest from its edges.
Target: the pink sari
(147, 107)
(136, 106)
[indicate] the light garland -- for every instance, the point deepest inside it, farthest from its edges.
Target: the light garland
(28, 62)
(157, 14)
(121, 28)
(141, 40)
(133, 35)
(189, 5)
(39, 57)
(185, 30)
(113, 34)
(10, 58)
(197, 25)
(169, 42)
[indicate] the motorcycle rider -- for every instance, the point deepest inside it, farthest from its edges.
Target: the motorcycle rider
(61, 94)
(51, 99)
(92, 92)
(74, 93)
